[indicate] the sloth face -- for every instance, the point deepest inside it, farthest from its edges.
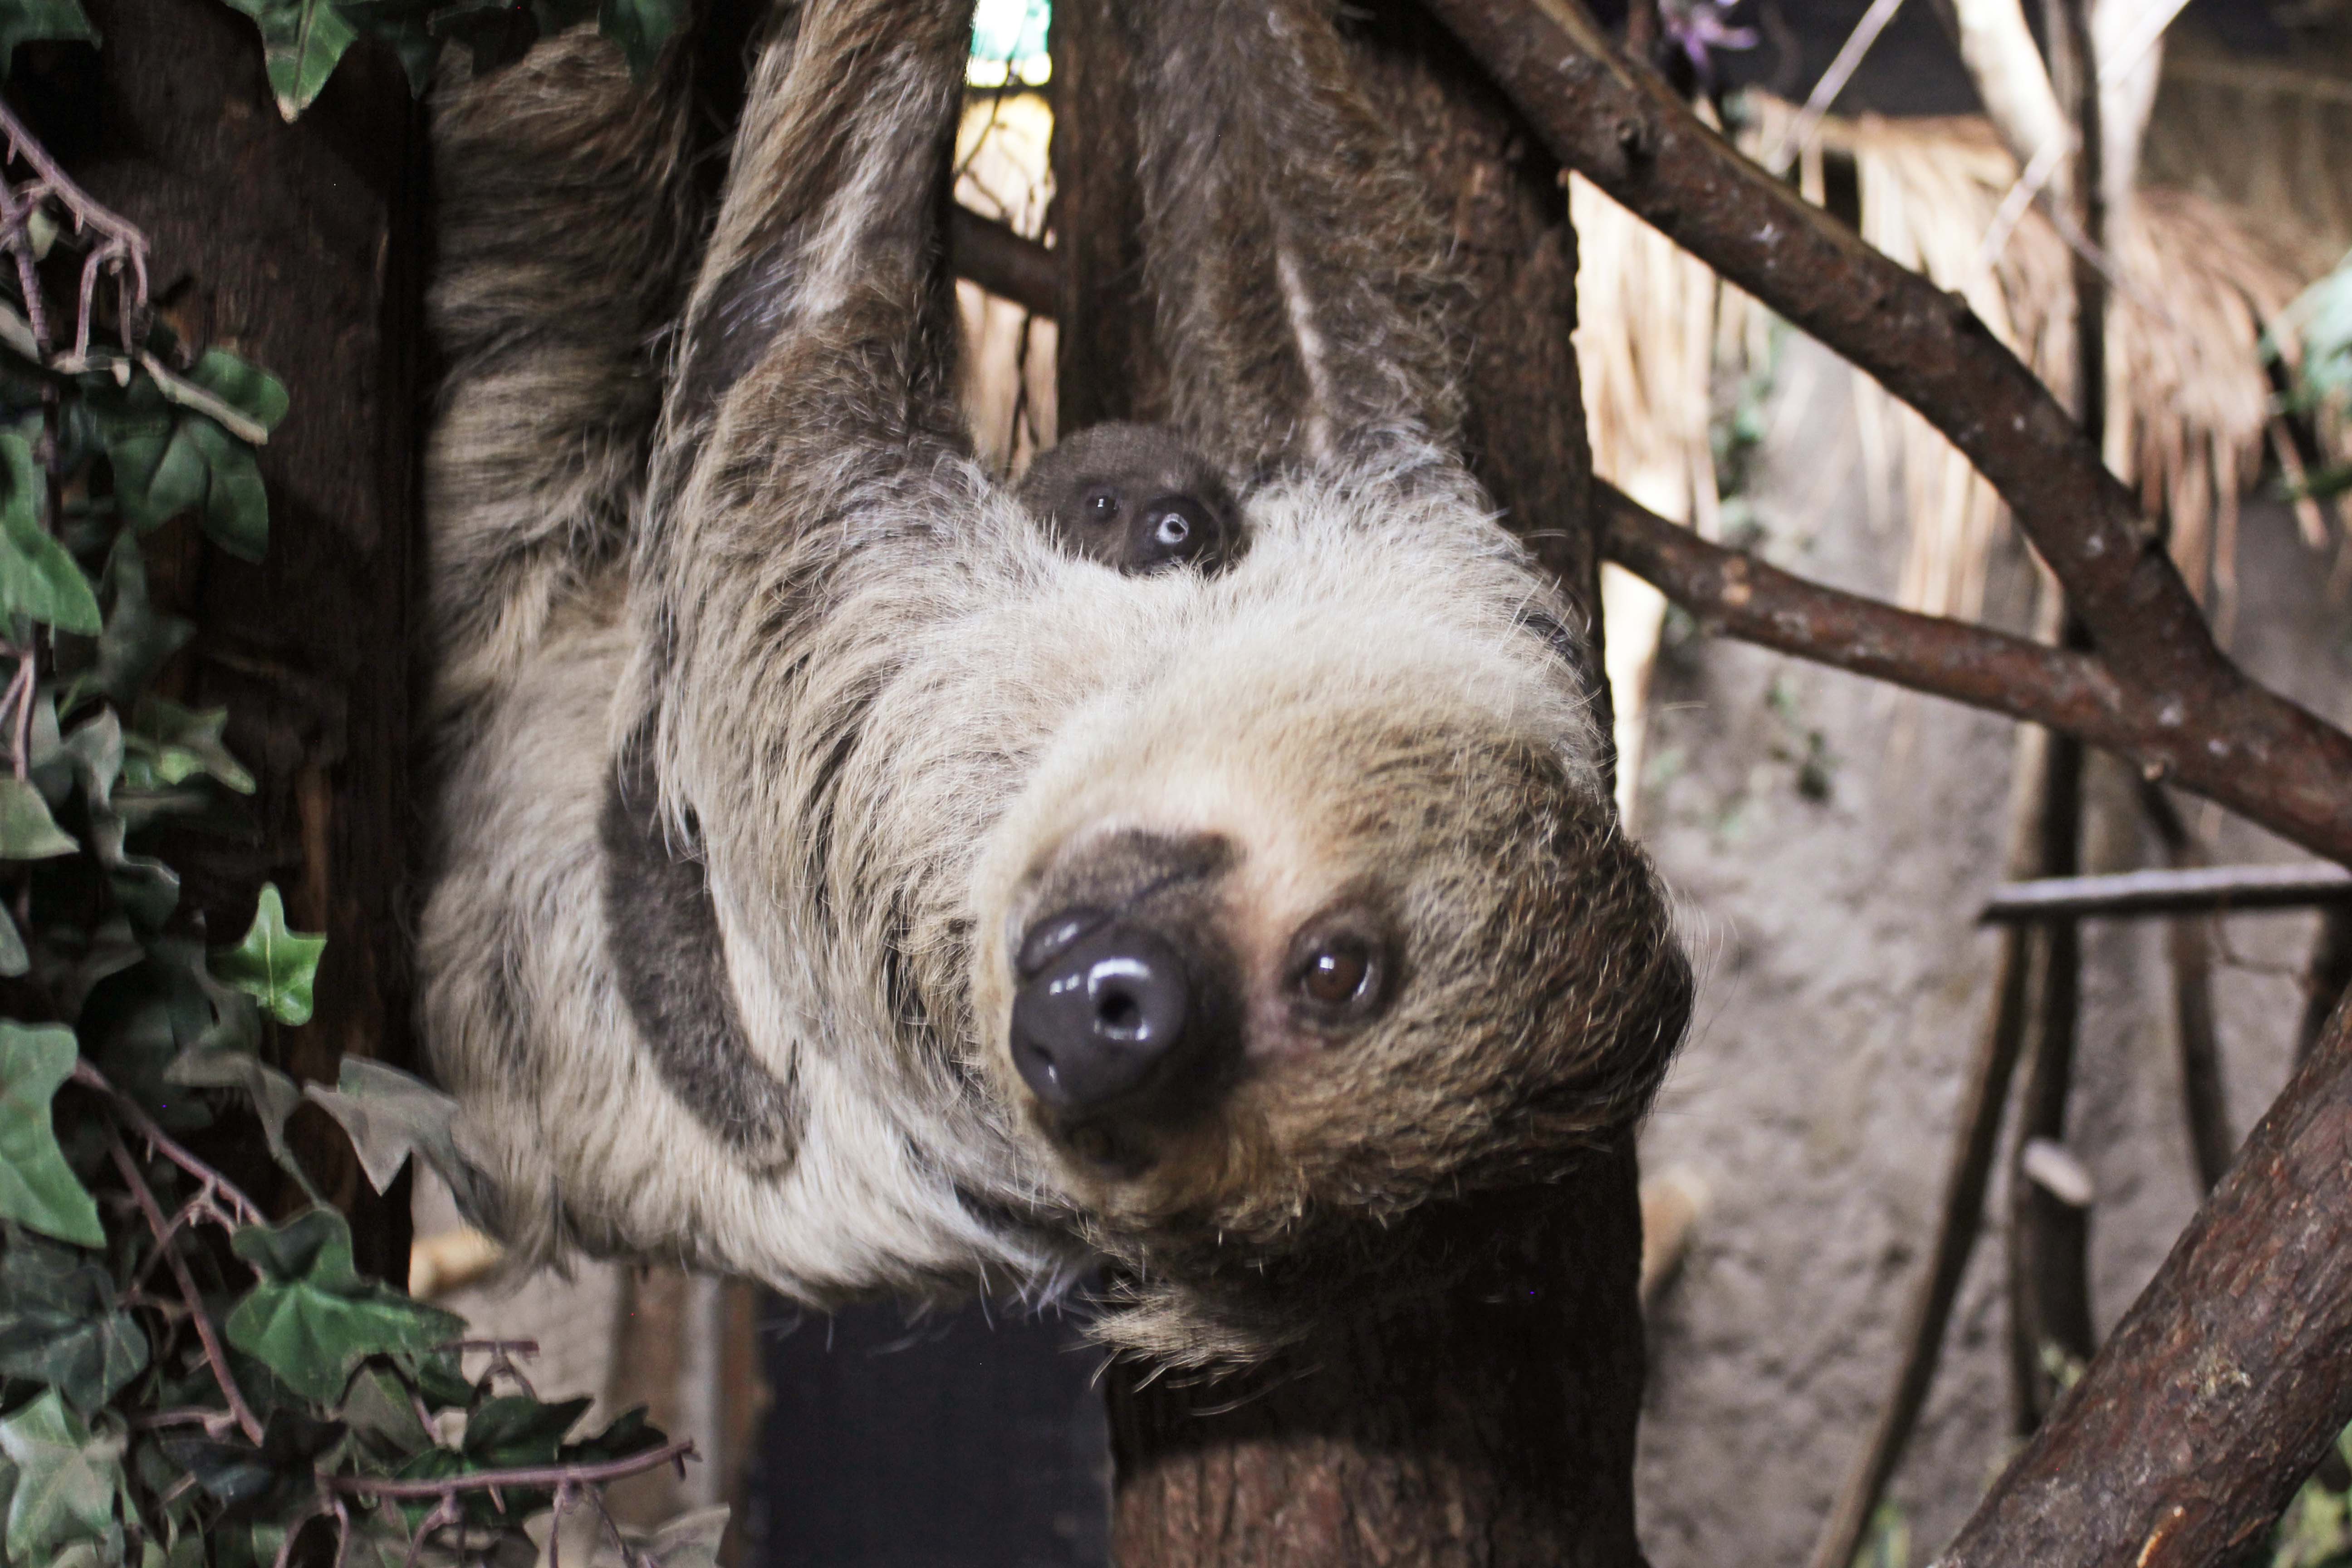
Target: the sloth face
(1317, 924)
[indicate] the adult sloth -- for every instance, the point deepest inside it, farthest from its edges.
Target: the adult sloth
(841, 883)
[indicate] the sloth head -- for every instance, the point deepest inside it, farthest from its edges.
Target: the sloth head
(1322, 912)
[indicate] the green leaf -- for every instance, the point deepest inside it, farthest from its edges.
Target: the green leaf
(169, 744)
(273, 1095)
(311, 1318)
(387, 1115)
(60, 1325)
(383, 1418)
(147, 889)
(26, 21)
(277, 967)
(38, 578)
(14, 959)
(137, 639)
(27, 831)
(514, 1430)
(168, 458)
(301, 40)
(66, 1479)
(37, 1188)
(641, 27)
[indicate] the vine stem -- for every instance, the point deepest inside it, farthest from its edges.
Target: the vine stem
(530, 1477)
(215, 1356)
(121, 245)
(243, 1209)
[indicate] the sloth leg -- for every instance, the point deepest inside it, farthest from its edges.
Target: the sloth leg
(567, 224)
(1300, 276)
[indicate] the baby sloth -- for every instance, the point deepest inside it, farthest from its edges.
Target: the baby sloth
(1136, 498)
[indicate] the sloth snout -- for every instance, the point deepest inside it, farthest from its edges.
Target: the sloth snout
(1103, 1006)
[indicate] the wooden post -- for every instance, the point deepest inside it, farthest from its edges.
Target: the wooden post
(297, 247)
(1493, 1422)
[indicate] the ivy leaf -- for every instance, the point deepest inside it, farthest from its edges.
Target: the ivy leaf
(26, 21)
(37, 1188)
(310, 1318)
(273, 1095)
(388, 1115)
(237, 1472)
(302, 41)
(14, 959)
(277, 967)
(66, 1479)
(38, 578)
(27, 831)
(383, 1418)
(168, 458)
(137, 639)
(515, 1430)
(169, 744)
(147, 889)
(60, 1325)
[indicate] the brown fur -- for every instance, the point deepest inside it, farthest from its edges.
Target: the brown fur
(885, 721)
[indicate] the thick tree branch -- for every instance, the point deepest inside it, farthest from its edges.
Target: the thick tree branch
(2197, 744)
(1625, 130)
(2227, 1380)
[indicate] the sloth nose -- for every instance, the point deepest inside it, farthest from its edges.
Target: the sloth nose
(1103, 1002)
(1176, 528)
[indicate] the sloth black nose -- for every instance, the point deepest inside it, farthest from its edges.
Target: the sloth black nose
(1103, 1002)
(1175, 527)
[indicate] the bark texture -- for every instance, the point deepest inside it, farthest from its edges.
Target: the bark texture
(295, 246)
(2228, 1379)
(1491, 1422)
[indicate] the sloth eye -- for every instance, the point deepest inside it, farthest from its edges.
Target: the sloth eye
(1336, 973)
(1338, 978)
(1174, 530)
(1102, 504)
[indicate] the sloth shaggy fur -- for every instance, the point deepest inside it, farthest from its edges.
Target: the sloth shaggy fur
(767, 720)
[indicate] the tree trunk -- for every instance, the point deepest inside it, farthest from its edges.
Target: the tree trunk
(1492, 1423)
(295, 247)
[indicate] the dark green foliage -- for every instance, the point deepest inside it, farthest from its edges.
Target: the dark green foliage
(185, 1382)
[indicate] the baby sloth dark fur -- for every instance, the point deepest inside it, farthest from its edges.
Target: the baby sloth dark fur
(1136, 498)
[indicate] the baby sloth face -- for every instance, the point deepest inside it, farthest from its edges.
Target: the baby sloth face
(1135, 497)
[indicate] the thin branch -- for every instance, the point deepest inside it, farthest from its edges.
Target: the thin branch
(2204, 1099)
(243, 1208)
(2328, 977)
(215, 1355)
(2226, 1380)
(1644, 148)
(1958, 1225)
(2183, 890)
(522, 1477)
(2069, 691)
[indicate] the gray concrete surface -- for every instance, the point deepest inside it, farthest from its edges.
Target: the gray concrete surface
(1844, 986)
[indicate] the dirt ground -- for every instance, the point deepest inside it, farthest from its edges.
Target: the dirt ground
(1832, 841)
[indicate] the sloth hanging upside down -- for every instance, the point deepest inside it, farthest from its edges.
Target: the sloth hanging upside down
(857, 875)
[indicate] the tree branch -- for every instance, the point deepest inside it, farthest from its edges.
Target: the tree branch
(2181, 890)
(1626, 133)
(2198, 744)
(1004, 262)
(2227, 1380)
